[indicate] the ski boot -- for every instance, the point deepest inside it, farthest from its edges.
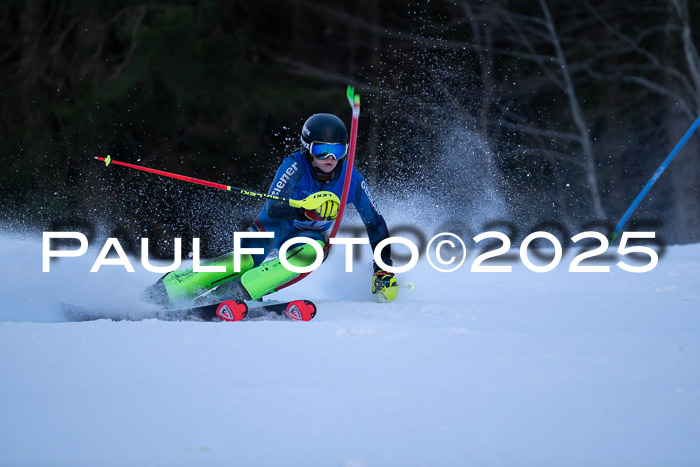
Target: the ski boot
(384, 286)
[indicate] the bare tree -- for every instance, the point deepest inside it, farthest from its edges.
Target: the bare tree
(535, 39)
(655, 50)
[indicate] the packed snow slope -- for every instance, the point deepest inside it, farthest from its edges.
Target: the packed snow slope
(468, 368)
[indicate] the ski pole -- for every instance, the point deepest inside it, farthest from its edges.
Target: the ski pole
(294, 203)
(653, 179)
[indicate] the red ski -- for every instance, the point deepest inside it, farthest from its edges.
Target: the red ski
(229, 310)
(236, 310)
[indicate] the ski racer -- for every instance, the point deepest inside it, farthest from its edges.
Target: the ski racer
(318, 170)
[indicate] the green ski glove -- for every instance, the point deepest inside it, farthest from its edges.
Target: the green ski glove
(315, 201)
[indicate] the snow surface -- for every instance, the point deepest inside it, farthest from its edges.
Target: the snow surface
(467, 369)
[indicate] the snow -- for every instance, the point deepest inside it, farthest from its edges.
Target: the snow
(468, 368)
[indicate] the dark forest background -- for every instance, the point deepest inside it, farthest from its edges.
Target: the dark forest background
(518, 111)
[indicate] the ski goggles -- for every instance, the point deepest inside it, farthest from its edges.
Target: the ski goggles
(326, 150)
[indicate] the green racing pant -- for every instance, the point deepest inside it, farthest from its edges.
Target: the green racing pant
(186, 284)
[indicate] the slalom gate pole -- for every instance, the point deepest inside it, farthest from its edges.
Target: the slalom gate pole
(108, 160)
(354, 101)
(653, 179)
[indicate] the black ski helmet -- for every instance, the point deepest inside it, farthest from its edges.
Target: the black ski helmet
(323, 128)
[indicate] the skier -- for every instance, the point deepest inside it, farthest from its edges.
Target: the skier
(317, 170)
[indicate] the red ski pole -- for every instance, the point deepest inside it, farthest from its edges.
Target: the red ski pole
(108, 160)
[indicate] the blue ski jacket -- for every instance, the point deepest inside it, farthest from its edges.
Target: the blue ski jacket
(294, 180)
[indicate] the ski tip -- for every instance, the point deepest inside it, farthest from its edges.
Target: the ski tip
(300, 310)
(232, 310)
